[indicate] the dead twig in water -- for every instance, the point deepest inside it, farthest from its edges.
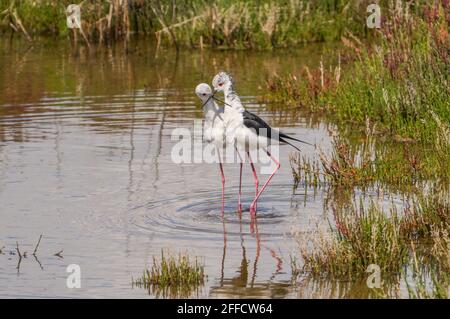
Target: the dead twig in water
(37, 246)
(35, 250)
(23, 255)
(39, 263)
(20, 257)
(18, 250)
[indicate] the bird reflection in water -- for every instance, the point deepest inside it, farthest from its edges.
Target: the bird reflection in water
(244, 283)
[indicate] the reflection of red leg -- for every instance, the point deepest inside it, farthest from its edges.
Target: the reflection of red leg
(255, 177)
(278, 259)
(254, 225)
(253, 205)
(222, 271)
(240, 182)
(258, 249)
(223, 188)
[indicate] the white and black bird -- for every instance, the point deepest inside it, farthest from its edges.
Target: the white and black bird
(214, 133)
(213, 128)
(247, 130)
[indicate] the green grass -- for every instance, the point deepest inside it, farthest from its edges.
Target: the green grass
(371, 162)
(390, 106)
(399, 83)
(412, 244)
(363, 236)
(177, 276)
(195, 23)
(427, 216)
(39, 18)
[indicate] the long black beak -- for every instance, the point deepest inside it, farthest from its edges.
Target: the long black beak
(211, 97)
(206, 102)
(219, 100)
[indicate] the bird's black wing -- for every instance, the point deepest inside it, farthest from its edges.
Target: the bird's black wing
(256, 123)
(250, 116)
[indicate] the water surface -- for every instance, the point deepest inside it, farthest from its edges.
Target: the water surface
(85, 145)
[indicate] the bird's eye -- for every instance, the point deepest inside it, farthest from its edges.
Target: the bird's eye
(220, 84)
(204, 94)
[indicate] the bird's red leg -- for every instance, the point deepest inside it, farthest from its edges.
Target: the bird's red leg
(241, 164)
(253, 205)
(255, 177)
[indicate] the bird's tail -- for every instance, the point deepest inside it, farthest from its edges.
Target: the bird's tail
(284, 136)
(284, 141)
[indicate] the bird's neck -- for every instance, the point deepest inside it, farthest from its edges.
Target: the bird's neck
(232, 99)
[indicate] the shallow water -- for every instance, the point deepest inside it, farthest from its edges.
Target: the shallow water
(85, 160)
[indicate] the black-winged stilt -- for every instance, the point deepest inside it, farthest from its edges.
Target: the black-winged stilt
(247, 130)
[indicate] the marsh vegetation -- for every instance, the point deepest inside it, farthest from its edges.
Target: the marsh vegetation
(174, 277)
(192, 24)
(392, 112)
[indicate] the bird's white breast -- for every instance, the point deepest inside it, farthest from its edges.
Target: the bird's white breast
(214, 129)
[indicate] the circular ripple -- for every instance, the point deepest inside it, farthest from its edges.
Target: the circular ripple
(198, 216)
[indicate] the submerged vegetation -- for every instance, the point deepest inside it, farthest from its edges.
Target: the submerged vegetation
(171, 276)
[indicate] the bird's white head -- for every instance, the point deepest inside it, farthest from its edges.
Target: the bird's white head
(221, 81)
(203, 91)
